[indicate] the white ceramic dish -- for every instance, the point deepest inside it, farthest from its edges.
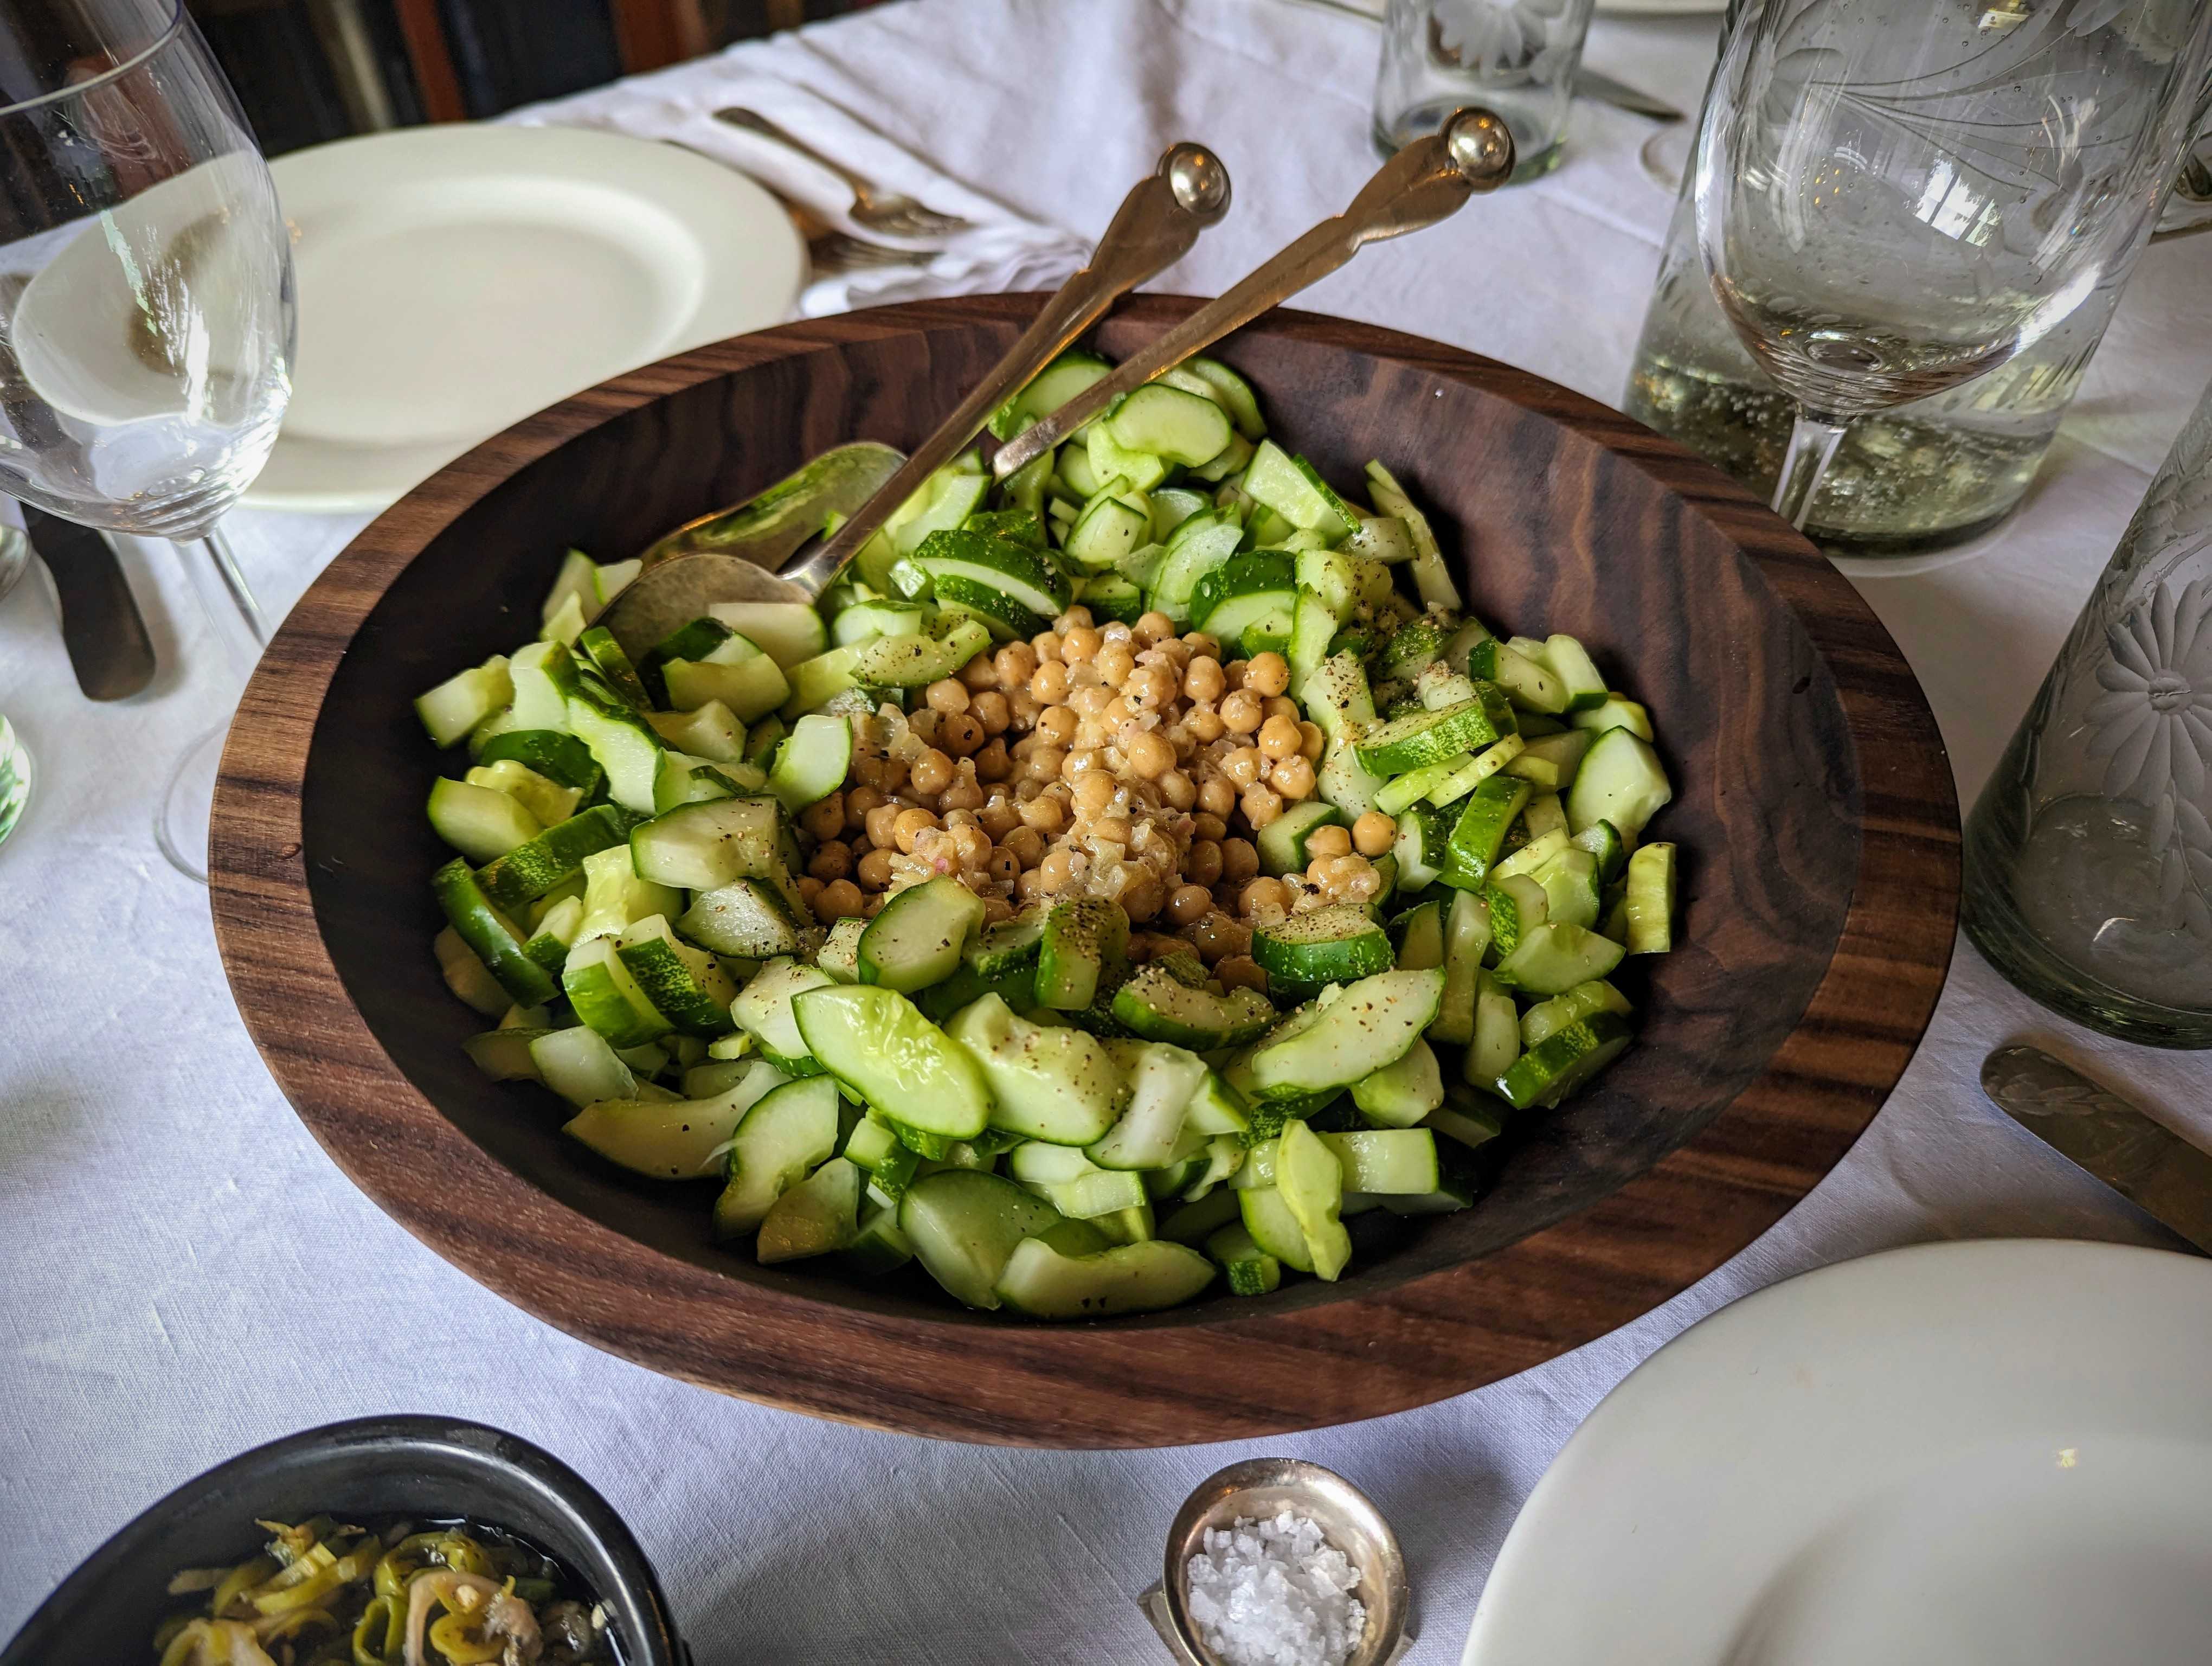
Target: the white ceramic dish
(1659, 7)
(1961, 1453)
(453, 280)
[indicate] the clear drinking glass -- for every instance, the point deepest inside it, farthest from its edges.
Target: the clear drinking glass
(2088, 856)
(1894, 196)
(1515, 56)
(146, 317)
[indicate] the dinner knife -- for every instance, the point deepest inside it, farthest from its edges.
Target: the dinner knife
(101, 626)
(1591, 84)
(2144, 1161)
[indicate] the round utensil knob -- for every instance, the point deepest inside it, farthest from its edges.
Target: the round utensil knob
(1480, 145)
(1198, 181)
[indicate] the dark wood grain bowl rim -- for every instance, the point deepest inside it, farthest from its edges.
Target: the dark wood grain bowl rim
(1371, 1354)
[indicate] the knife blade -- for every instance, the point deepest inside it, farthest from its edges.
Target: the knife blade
(1591, 84)
(2142, 1160)
(101, 626)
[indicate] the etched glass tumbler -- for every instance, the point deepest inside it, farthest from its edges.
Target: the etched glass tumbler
(2089, 853)
(1515, 56)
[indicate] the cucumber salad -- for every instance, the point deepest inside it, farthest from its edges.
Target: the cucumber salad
(1124, 877)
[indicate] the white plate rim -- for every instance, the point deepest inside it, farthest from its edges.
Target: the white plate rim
(727, 211)
(2078, 1296)
(1661, 8)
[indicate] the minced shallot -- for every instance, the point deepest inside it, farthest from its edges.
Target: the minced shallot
(1274, 1593)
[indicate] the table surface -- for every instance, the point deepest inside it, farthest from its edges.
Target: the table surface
(187, 1275)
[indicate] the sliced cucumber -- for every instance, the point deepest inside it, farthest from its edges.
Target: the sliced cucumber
(1309, 1180)
(607, 998)
(1650, 900)
(1112, 598)
(1251, 1270)
(1571, 891)
(547, 801)
(598, 645)
(578, 1065)
(918, 937)
(878, 1247)
(1024, 575)
(555, 934)
(1570, 661)
(1274, 1228)
(913, 662)
(489, 935)
(1431, 577)
(816, 682)
(1605, 843)
(701, 847)
(1335, 945)
(1617, 712)
(964, 1227)
(787, 632)
(1420, 933)
(763, 1008)
(1097, 1192)
(1167, 421)
(1517, 905)
(1200, 545)
(1159, 1006)
(1050, 1084)
(1549, 762)
(1565, 1060)
(1552, 959)
(1422, 847)
(686, 986)
(1085, 940)
(1111, 460)
(1400, 1095)
(615, 898)
(1620, 781)
(625, 745)
(751, 919)
(661, 1139)
(783, 1135)
(1466, 939)
(1194, 1222)
(555, 856)
(1479, 833)
(1163, 1081)
(1234, 393)
(811, 760)
(481, 822)
(865, 621)
(872, 1040)
(1430, 737)
(1113, 525)
(1371, 1024)
(1293, 489)
(461, 701)
(819, 1216)
(1466, 1119)
(1131, 1278)
(1528, 683)
(1398, 1162)
(1071, 374)
(839, 955)
(1546, 1018)
(750, 683)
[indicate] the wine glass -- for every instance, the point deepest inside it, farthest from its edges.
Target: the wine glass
(1894, 196)
(146, 317)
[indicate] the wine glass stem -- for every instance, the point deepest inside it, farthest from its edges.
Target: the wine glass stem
(224, 593)
(1812, 442)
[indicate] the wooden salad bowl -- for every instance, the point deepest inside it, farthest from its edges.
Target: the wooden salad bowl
(1813, 810)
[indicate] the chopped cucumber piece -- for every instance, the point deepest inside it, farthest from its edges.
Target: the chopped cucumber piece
(1551, 959)
(460, 703)
(1466, 939)
(489, 935)
(1071, 374)
(1371, 1024)
(1550, 761)
(1163, 1079)
(751, 919)
(1565, 1060)
(555, 856)
(964, 1227)
(1479, 833)
(1517, 905)
(811, 760)
(684, 985)
(763, 1008)
(1025, 576)
(598, 645)
(1234, 393)
(1546, 1018)
(1050, 1084)
(1159, 1006)
(1617, 712)
(1604, 842)
(1111, 460)
(1431, 577)
(1400, 1095)
(1099, 1192)
(1309, 1180)
(1386, 1162)
(1336, 945)
(661, 1139)
(784, 1133)
(701, 847)
(1571, 892)
(1651, 899)
(1430, 737)
(1293, 489)
(840, 954)
(1111, 529)
(1274, 1228)
(1167, 421)
(1282, 842)
(1132, 1278)
(1568, 660)
(1085, 943)
(787, 632)
(1250, 1269)
(819, 1216)
(1620, 781)
(913, 662)
(872, 1040)
(607, 998)
(878, 1247)
(917, 937)
(481, 822)
(1527, 682)
(465, 975)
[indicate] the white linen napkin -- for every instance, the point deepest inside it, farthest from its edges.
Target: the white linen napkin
(806, 94)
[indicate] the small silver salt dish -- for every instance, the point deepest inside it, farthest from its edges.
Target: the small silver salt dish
(1258, 1489)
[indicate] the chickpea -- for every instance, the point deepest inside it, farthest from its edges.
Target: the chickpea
(882, 823)
(1144, 900)
(1080, 646)
(1153, 627)
(839, 900)
(1044, 814)
(931, 772)
(960, 733)
(1114, 830)
(1150, 756)
(1330, 841)
(832, 861)
(1262, 805)
(1074, 617)
(1312, 743)
(1232, 673)
(1150, 685)
(1117, 713)
(1239, 861)
(859, 800)
(1043, 765)
(1025, 844)
(1114, 663)
(1090, 701)
(992, 764)
(875, 870)
(996, 910)
(1177, 788)
(966, 793)
(1056, 726)
(1245, 766)
(980, 673)
(1203, 681)
(1202, 647)
(1201, 864)
(1049, 686)
(1003, 865)
(1217, 796)
(1016, 663)
(998, 816)
(947, 694)
(1372, 834)
(1023, 707)
(1093, 793)
(1282, 706)
(1189, 904)
(1241, 972)
(1205, 724)
(1280, 737)
(825, 817)
(1267, 674)
(922, 725)
(809, 889)
(1293, 778)
(991, 711)
(1207, 825)
(1047, 644)
(911, 826)
(1241, 712)
(972, 845)
(1056, 872)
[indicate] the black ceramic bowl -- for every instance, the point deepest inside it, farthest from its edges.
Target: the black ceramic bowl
(370, 1469)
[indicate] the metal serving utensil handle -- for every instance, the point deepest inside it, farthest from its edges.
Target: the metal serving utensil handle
(1154, 227)
(1426, 181)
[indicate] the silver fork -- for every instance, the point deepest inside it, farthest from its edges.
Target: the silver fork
(874, 207)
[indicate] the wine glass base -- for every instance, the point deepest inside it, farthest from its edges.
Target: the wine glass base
(181, 825)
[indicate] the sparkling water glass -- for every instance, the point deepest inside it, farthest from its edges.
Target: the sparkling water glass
(1515, 56)
(2089, 857)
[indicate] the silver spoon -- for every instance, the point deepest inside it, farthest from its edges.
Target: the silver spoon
(1426, 181)
(886, 211)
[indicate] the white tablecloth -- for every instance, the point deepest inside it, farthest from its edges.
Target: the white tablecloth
(184, 1275)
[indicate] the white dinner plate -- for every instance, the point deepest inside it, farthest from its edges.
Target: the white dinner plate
(1659, 7)
(1956, 1455)
(453, 280)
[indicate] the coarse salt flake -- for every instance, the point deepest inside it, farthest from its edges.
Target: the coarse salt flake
(1274, 1593)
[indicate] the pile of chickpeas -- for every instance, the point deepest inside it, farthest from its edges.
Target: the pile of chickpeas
(1119, 760)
